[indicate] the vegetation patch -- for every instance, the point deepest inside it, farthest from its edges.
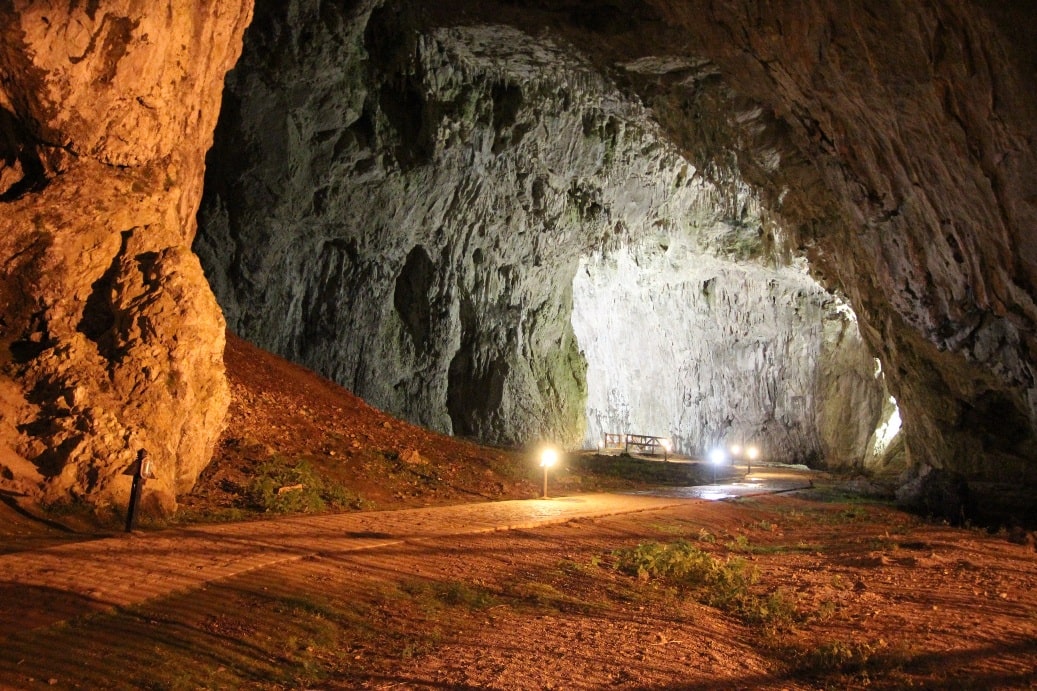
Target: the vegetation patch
(282, 487)
(742, 545)
(858, 661)
(723, 583)
(432, 595)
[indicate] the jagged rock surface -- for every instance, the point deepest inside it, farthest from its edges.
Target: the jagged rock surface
(925, 158)
(406, 212)
(896, 145)
(111, 339)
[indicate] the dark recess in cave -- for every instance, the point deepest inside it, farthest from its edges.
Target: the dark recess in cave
(98, 318)
(411, 297)
(16, 147)
(474, 389)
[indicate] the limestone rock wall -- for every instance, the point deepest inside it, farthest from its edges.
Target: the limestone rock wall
(712, 352)
(895, 145)
(111, 339)
(405, 207)
(907, 176)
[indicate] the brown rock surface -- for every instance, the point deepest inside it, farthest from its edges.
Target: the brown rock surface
(111, 339)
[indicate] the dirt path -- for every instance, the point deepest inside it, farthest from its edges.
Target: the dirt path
(126, 570)
(844, 595)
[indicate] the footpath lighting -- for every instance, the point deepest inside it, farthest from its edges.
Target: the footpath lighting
(717, 456)
(667, 448)
(751, 454)
(736, 450)
(548, 457)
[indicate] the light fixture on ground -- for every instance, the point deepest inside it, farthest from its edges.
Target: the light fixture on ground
(716, 456)
(548, 457)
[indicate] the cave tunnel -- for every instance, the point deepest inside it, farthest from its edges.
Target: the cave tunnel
(518, 221)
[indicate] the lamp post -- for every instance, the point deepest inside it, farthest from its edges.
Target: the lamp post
(717, 457)
(548, 457)
(667, 448)
(751, 454)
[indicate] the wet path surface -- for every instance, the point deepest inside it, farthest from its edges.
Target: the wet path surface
(766, 482)
(129, 569)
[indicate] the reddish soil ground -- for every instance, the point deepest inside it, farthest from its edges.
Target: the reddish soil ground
(876, 599)
(282, 411)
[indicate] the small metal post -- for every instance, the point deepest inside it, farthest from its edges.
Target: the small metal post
(545, 482)
(139, 479)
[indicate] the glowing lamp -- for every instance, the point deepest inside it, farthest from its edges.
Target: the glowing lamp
(717, 456)
(736, 450)
(752, 453)
(548, 457)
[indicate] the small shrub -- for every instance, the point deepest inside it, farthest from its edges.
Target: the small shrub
(740, 544)
(837, 657)
(684, 565)
(546, 596)
(777, 610)
(279, 487)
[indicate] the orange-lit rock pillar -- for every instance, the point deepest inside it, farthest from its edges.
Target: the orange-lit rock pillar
(110, 338)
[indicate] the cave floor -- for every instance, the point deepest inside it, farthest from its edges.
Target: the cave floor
(847, 594)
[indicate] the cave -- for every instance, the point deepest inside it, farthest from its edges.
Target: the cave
(807, 225)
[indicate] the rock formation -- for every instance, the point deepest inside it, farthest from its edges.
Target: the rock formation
(111, 339)
(907, 179)
(409, 216)
(403, 193)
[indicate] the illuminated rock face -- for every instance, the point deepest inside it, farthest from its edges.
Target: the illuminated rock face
(111, 339)
(905, 178)
(893, 149)
(713, 353)
(414, 217)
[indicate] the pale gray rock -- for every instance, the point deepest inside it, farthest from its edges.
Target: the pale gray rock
(714, 353)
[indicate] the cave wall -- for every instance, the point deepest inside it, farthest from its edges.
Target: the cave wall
(895, 145)
(908, 180)
(712, 352)
(111, 339)
(404, 209)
